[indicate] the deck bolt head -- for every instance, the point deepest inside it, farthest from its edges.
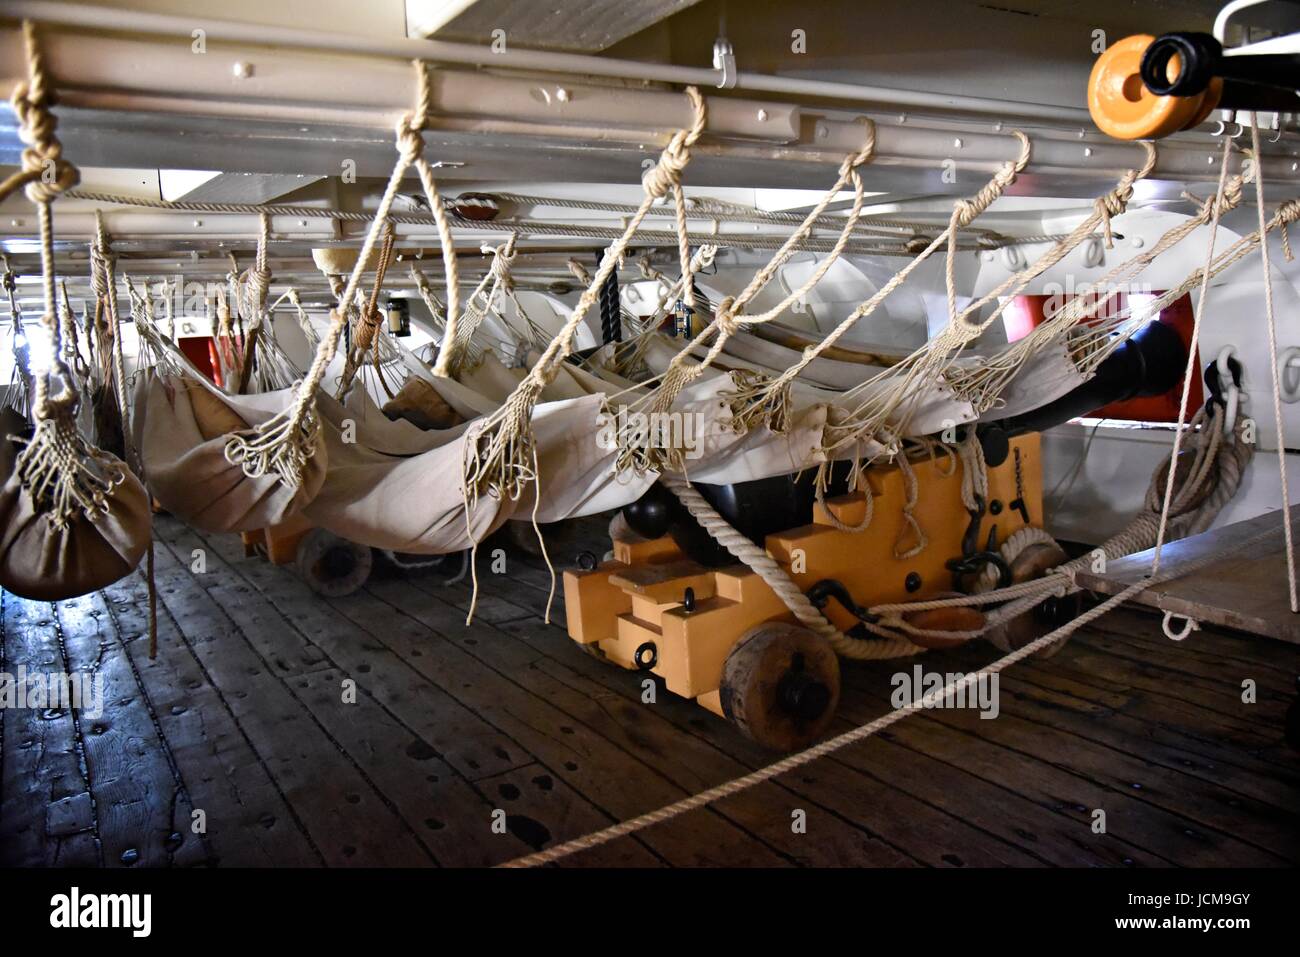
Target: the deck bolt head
(198, 223)
(242, 69)
(822, 131)
(562, 94)
(1138, 242)
(762, 116)
(1087, 151)
(957, 143)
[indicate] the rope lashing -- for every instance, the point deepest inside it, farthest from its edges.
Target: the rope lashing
(256, 280)
(499, 458)
(769, 401)
(965, 211)
(611, 326)
(729, 315)
(498, 281)
(63, 474)
(285, 443)
(369, 321)
(43, 170)
(982, 385)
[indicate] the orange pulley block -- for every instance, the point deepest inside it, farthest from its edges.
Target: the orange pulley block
(1123, 107)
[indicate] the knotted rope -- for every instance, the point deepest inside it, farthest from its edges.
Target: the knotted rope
(499, 456)
(63, 473)
(769, 401)
(283, 444)
(498, 281)
(369, 321)
(729, 316)
(43, 171)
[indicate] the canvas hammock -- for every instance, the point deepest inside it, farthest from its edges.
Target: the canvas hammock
(184, 424)
(72, 517)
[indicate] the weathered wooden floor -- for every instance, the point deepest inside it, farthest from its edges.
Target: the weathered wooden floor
(240, 723)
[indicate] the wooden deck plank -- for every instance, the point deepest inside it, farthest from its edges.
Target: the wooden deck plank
(528, 703)
(241, 716)
(47, 797)
(1246, 590)
(246, 818)
(451, 728)
(143, 813)
(667, 730)
(1208, 806)
(443, 666)
(840, 793)
(309, 767)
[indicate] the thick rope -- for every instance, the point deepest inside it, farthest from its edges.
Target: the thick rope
(767, 568)
(926, 701)
(43, 172)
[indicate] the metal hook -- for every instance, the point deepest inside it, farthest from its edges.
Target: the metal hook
(724, 59)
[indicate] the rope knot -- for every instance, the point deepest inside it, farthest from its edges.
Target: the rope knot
(410, 141)
(725, 317)
(659, 179)
(665, 174)
(45, 171)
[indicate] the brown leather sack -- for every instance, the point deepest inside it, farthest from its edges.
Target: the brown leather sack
(419, 403)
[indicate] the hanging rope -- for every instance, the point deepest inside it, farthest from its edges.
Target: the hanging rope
(1191, 370)
(729, 316)
(369, 322)
(768, 401)
(283, 444)
(499, 459)
(1273, 364)
(63, 474)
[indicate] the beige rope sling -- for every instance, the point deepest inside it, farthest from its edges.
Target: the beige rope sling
(73, 513)
(283, 444)
(729, 316)
(768, 401)
(58, 468)
(502, 459)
